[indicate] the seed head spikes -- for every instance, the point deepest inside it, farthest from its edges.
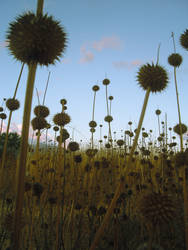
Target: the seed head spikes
(61, 119)
(184, 39)
(152, 76)
(36, 39)
(175, 60)
(12, 104)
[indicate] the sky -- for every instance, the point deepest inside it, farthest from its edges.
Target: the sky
(106, 39)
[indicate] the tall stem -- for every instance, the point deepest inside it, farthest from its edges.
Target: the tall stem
(23, 156)
(120, 186)
(179, 114)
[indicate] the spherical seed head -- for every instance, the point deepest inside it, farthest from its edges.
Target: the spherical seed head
(12, 104)
(65, 135)
(157, 209)
(144, 134)
(110, 97)
(61, 119)
(176, 129)
(106, 81)
(92, 124)
(73, 146)
(41, 111)
(38, 123)
(56, 128)
(92, 130)
(108, 118)
(158, 112)
(175, 60)
(63, 101)
(120, 142)
(95, 88)
(36, 39)
(184, 39)
(152, 76)
(107, 145)
(3, 116)
(1, 109)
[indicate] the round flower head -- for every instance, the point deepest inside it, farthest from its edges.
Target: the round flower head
(184, 40)
(152, 76)
(56, 128)
(106, 81)
(120, 142)
(108, 118)
(63, 101)
(38, 123)
(36, 39)
(1, 109)
(61, 119)
(3, 116)
(95, 88)
(92, 130)
(92, 124)
(73, 146)
(12, 104)
(175, 60)
(157, 111)
(177, 129)
(65, 135)
(41, 111)
(110, 97)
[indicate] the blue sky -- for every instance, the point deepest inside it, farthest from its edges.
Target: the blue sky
(105, 39)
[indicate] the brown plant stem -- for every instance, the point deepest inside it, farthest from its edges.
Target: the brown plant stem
(120, 186)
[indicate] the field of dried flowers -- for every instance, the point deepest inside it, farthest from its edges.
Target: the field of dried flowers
(117, 194)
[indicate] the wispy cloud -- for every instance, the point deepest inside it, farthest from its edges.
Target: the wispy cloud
(110, 42)
(86, 55)
(126, 64)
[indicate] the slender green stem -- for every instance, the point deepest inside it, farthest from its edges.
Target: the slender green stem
(108, 214)
(179, 113)
(93, 113)
(107, 101)
(23, 156)
(46, 88)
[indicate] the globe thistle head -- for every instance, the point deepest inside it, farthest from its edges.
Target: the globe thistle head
(12, 104)
(120, 142)
(107, 145)
(63, 101)
(48, 126)
(1, 109)
(65, 135)
(36, 39)
(184, 39)
(176, 129)
(92, 124)
(41, 111)
(38, 123)
(61, 119)
(108, 118)
(157, 111)
(3, 116)
(152, 76)
(157, 209)
(175, 60)
(95, 88)
(92, 130)
(106, 81)
(73, 146)
(110, 97)
(56, 128)
(78, 158)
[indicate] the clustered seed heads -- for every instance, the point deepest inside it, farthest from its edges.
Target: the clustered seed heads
(36, 39)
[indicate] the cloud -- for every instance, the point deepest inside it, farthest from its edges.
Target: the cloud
(111, 42)
(126, 65)
(86, 55)
(3, 44)
(108, 42)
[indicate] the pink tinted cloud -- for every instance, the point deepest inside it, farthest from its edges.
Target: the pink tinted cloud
(86, 55)
(126, 64)
(110, 42)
